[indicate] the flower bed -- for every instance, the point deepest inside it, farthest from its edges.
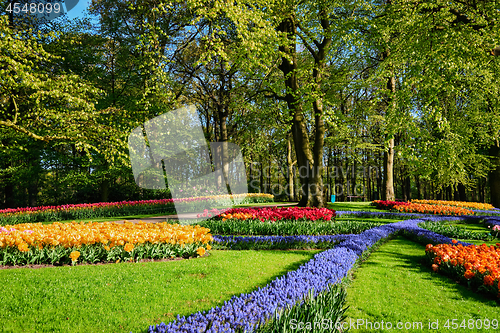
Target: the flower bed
(385, 215)
(422, 208)
(276, 242)
(387, 204)
(285, 227)
(279, 213)
(245, 312)
(472, 205)
(433, 209)
(476, 266)
(109, 209)
(59, 243)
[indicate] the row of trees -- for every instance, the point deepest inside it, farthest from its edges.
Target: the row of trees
(373, 98)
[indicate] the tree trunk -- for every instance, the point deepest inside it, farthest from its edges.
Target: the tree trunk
(462, 195)
(417, 181)
(261, 180)
(317, 179)
(299, 130)
(225, 154)
(291, 185)
(389, 171)
(105, 190)
(407, 188)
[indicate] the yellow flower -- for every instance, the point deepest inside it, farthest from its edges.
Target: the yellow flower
(106, 248)
(128, 247)
(74, 255)
(209, 247)
(200, 251)
(23, 247)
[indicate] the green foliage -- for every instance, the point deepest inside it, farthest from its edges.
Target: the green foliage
(285, 227)
(276, 245)
(453, 231)
(94, 253)
(320, 313)
(42, 104)
(85, 213)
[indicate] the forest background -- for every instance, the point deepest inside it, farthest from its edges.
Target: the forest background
(374, 98)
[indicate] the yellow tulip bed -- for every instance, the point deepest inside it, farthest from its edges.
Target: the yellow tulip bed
(64, 243)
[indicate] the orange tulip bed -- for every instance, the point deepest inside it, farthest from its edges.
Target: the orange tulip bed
(471, 205)
(433, 209)
(58, 243)
(476, 266)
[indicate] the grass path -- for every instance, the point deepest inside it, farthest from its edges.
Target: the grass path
(128, 297)
(393, 285)
(359, 206)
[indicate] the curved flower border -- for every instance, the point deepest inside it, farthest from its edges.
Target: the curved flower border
(328, 267)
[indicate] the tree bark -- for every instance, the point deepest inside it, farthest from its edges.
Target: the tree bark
(389, 165)
(291, 185)
(462, 195)
(299, 130)
(317, 179)
(389, 171)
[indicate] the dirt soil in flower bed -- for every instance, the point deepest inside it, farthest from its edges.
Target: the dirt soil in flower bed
(102, 263)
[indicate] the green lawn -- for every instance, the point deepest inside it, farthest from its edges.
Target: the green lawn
(128, 297)
(480, 242)
(472, 226)
(366, 219)
(394, 285)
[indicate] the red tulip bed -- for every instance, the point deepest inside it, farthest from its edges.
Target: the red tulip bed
(279, 213)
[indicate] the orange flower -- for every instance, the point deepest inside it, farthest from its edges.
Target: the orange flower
(469, 274)
(23, 247)
(435, 267)
(128, 247)
(488, 280)
(200, 251)
(454, 241)
(74, 255)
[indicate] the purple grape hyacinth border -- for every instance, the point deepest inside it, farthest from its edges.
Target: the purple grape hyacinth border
(326, 268)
